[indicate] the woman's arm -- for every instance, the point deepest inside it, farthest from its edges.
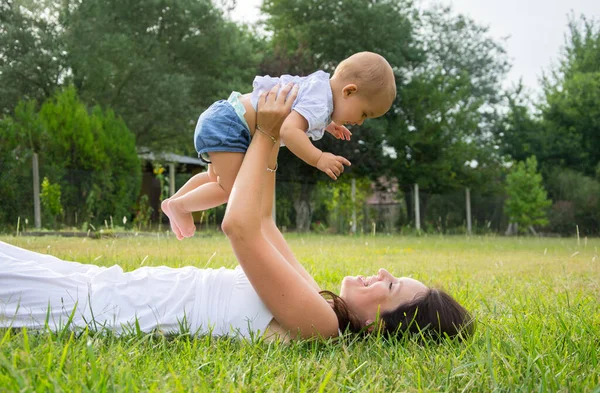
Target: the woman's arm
(274, 236)
(295, 304)
(269, 228)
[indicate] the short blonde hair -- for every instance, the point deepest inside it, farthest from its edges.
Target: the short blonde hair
(370, 72)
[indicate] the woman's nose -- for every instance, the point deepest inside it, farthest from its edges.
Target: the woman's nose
(384, 273)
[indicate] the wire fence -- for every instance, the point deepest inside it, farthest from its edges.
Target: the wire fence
(394, 212)
(325, 207)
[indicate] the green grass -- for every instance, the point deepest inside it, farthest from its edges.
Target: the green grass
(536, 302)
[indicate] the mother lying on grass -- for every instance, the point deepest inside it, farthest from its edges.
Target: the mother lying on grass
(273, 296)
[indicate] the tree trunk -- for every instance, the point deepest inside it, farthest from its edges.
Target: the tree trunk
(513, 229)
(303, 207)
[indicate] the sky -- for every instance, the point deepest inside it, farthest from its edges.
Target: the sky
(533, 30)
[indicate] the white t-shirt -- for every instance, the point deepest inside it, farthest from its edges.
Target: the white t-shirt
(314, 101)
(35, 287)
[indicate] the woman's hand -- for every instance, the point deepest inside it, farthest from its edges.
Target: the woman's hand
(273, 108)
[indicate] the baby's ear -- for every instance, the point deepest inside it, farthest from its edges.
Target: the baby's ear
(370, 325)
(350, 89)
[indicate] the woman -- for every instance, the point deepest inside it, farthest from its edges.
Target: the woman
(271, 294)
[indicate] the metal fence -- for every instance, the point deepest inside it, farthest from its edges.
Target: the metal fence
(327, 206)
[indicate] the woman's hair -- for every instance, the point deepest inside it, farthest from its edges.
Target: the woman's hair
(346, 319)
(434, 315)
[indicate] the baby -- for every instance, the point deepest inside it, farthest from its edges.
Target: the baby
(362, 86)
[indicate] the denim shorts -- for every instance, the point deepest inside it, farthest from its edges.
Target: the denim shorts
(220, 129)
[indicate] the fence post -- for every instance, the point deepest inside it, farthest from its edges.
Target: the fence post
(36, 192)
(353, 227)
(417, 211)
(468, 197)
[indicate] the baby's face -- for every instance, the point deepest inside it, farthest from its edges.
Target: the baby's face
(355, 108)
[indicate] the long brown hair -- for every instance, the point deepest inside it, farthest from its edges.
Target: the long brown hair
(347, 321)
(435, 315)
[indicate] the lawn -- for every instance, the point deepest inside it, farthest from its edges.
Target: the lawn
(536, 302)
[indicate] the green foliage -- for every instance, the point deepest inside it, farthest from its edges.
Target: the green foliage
(157, 64)
(308, 35)
(318, 34)
(566, 136)
(571, 111)
(32, 52)
(143, 213)
(527, 199)
(448, 106)
(337, 198)
(50, 198)
(518, 133)
(18, 137)
(91, 157)
(284, 204)
(159, 172)
(576, 203)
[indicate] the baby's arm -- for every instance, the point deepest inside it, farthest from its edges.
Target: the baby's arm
(294, 136)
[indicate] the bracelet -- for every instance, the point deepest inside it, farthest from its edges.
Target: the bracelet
(273, 170)
(259, 129)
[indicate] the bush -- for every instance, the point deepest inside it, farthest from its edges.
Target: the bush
(527, 199)
(577, 203)
(337, 199)
(91, 156)
(50, 199)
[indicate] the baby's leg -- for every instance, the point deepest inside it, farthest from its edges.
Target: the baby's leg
(226, 167)
(195, 182)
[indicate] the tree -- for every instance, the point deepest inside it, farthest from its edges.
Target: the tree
(571, 111)
(317, 34)
(90, 157)
(527, 199)
(448, 107)
(576, 202)
(519, 133)
(32, 53)
(157, 64)
(16, 135)
(564, 134)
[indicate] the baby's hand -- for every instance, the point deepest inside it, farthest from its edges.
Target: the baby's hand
(340, 132)
(332, 165)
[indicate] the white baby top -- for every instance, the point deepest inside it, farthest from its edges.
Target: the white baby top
(314, 101)
(203, 301)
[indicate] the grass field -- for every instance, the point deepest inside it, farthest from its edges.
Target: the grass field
(536, 302)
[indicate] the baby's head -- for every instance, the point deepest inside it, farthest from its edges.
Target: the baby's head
(363, 86)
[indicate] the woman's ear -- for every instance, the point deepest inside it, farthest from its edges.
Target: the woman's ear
(370, 325)
(349, 90)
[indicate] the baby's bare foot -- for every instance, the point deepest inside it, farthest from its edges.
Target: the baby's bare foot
(164, 206)
(182, 219)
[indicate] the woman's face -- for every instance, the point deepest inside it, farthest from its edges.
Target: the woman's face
(368, 297)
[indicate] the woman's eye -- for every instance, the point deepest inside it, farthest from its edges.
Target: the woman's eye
(391, 286)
